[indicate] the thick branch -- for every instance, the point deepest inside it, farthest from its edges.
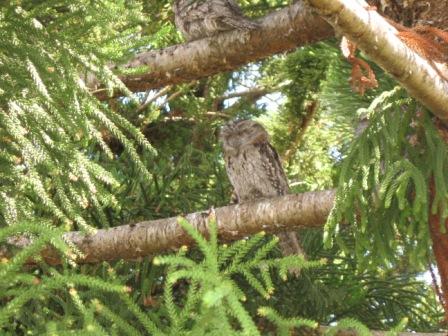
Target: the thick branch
(235, 221)
(379, 40)
(280, 31)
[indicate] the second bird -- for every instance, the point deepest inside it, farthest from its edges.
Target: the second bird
(197, 19)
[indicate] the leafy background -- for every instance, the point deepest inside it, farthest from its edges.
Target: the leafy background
(71, 162)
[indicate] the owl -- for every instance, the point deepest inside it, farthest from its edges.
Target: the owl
(255, 170)
(197, 19)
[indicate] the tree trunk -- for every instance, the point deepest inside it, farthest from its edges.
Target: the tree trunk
(439, 247)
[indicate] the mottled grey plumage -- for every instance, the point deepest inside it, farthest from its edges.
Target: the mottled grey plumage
(255, 170)
(197, 19)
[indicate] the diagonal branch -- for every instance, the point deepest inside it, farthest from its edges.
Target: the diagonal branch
(379, 40)
(279, 31)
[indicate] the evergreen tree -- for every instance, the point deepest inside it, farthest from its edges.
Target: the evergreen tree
(81, 156)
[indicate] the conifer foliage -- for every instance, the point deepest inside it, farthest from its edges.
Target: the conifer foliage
(383, 185)
(213, 303)
(49, 119)
(69, 161)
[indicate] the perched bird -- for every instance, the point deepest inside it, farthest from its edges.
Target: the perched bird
(255, 170)
(197, 19)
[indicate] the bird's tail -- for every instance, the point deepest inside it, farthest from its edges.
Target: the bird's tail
(289, 245)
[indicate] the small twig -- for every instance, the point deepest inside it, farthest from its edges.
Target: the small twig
(218, 114)
(172, 96)
(255, 92)
(298, 131)
(159, 94)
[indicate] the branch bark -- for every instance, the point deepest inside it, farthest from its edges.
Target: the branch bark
(279, 31)
(285, 30)
(379, 40)
(235, 221)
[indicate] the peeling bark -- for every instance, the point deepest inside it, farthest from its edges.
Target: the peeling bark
(234, 222)
(279, 31)
(379, 40)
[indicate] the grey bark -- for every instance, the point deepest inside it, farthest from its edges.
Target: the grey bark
(234, 222)
(280, 31)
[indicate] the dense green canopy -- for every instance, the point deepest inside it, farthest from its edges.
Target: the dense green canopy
(69, 161)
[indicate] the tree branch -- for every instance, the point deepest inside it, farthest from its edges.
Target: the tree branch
(234, 222)
(279, 31)
(379, 40)
(253, 93)
(147, 101)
